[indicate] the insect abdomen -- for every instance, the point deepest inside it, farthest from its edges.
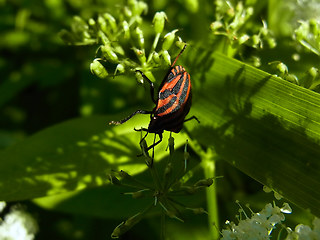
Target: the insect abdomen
(174, 92)
(174, 102)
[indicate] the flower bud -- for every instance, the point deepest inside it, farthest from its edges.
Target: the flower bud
(168, 40)
(138, 7)
(118, 49)
(125, 226)
(180, 44)
(78, 25)
(139, 35)
(127, 12)
(271, 42)
(120, 68)
(286, 208)
(126, 30)
(103, 37)
(92, 22)
(249, 12)
(158, 21)
(132, 3)
(292, 78)
(141, 55)
(111, 20)
(98, 69)
(255, 39)
(256, 61)
(314, 72)
(142, 7)
(264, 31)
(139, 77)
(243, 39)
(103, 24)
(156, 57)
(204, 183)
(198, 210)
(109, 54)
(282, 68)
(166, 57)
(302, 32)
(216, 25)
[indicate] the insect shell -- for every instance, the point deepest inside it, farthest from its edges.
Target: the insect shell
(174, 102)
(172, 105)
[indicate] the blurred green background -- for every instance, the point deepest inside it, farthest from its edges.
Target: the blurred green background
(44, 82)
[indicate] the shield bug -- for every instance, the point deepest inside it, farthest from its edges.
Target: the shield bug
(172, 104)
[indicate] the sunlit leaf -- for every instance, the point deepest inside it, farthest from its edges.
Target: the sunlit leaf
(71, 156)
(266, 127)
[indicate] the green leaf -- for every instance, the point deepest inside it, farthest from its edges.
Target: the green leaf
(266, 127)
(103, 202)
(73, 155)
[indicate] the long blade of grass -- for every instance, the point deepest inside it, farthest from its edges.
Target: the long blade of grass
(266, 127)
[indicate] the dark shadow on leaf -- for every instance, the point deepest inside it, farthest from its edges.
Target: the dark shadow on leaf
(264, 148)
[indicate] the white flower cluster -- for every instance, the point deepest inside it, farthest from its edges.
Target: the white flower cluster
(17, 225)
(305, 232)
(259, 226)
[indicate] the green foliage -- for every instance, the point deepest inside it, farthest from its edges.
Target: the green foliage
(258, 126)
(120, 35)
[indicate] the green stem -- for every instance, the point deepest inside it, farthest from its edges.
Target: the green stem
(154, 45)
(208, 164)
(155, 177)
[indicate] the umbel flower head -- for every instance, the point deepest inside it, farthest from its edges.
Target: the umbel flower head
(119, 35)
(259, 226)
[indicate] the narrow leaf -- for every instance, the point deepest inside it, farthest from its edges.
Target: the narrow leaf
(261, 124)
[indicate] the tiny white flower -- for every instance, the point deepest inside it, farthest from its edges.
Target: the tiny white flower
(18, 225)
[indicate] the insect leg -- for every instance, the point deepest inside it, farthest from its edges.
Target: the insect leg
(127, 118)
(151, 85)
(142, 129)
(193, 117)
(155, 144)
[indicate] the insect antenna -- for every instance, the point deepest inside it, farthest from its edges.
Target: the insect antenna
(174, 62)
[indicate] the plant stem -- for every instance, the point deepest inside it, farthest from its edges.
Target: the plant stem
(154, 45)
(208, 164)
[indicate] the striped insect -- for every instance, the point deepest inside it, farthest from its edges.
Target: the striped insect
(172, 104)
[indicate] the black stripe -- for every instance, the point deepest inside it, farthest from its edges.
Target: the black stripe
(163, 108)
(170, 77)
(183, 95)
(184, 90)
(166, 93)
(175, 90)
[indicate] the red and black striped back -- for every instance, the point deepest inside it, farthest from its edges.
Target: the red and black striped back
(174, 92)
(174, 101)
